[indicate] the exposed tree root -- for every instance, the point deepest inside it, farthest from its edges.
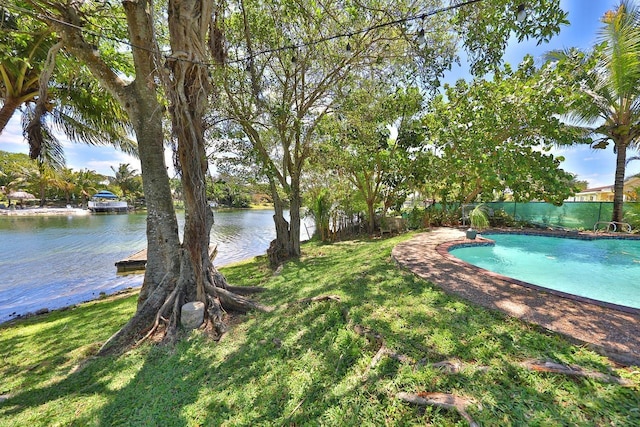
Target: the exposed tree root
(450, 401)
(168, 302)
(160, 312)
(245, 290)
(277, 253)
(377, 338)
(216, 315)
(220, 282)
(235, 302)
(441, 400)
(557, 368)
(319, 298)
(455, 366)
(448, 366)
(171, 332)
(384, 351)
(142, 321)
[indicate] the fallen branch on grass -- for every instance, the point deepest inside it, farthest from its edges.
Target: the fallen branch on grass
(319, 298)
(441, 400)
(557, 368)
(245, 290)
(446, 400)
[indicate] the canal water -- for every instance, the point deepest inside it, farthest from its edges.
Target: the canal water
(56, 261)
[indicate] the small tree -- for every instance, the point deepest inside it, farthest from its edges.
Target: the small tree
(493, 136)
(319, 207)
(361, 148)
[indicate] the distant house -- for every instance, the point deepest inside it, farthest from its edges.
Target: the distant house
(605, 194)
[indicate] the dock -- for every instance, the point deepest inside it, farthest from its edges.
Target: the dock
(138, 260)
(134, 262)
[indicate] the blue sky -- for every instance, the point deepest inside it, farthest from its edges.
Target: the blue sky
(595, 166)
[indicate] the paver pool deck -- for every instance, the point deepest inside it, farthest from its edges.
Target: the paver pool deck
(605, 328)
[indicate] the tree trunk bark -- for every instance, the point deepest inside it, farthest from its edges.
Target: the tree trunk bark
(618, 186)
(371, 212)
(295, 205)
(42, 195)
(163, 244)
(279, 248)
(188, 88)
(188, 92)
(174, 273)
(9, 107)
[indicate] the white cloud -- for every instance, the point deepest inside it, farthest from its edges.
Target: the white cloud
(11, 138)
(99, 159)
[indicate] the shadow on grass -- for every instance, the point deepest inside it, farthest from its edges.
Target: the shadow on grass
(304, 363)
(37, 349)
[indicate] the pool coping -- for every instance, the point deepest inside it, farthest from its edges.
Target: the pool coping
(603, 327)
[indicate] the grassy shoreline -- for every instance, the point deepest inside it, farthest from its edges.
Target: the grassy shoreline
(308, 363)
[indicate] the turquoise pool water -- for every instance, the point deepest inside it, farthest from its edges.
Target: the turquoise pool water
(605, 269)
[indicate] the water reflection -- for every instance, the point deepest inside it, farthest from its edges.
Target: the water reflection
(57, 261)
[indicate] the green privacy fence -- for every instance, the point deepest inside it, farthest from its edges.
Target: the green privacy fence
(574, 215)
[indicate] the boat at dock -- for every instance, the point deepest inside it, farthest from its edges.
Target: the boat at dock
(106, 202)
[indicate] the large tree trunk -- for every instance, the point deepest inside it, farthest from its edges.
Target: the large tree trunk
(163, 243)
(188, 90)
(371, 213)
(618, 186)
(294, 217)
(279, 248)
(174, 273)
(286, 245)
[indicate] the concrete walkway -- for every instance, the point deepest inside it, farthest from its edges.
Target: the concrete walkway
(607, 330)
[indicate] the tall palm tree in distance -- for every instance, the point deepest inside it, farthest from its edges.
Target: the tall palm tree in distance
(124, 178)
(608, 97)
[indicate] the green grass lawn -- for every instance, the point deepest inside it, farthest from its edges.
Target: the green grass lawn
(306, 363)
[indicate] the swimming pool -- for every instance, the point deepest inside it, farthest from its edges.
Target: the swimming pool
(606, 270)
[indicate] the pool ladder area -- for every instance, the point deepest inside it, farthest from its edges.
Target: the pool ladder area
(612, 226)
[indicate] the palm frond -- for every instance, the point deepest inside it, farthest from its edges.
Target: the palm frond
(87, 118)
(53, 153)
(621, 35)
(43, 145)
(630, 159)
(82, 129)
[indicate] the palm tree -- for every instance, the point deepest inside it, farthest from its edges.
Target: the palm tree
(66, 102)
(124, 178)
(86, 183)
(608, 100)
(19, 83)
(65, 183)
